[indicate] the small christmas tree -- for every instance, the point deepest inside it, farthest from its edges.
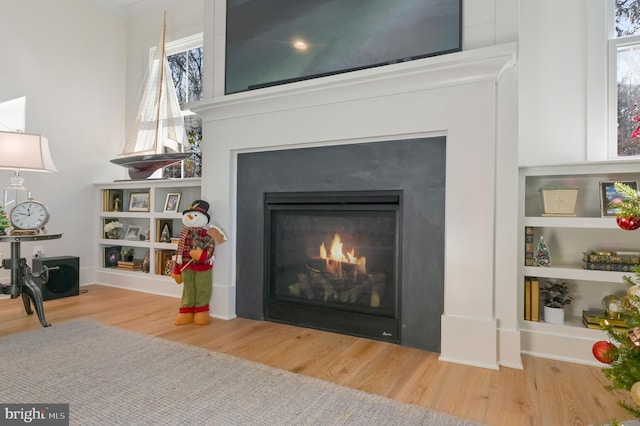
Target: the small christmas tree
(542, 256)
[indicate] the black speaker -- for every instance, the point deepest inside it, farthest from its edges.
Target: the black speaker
(64, 276)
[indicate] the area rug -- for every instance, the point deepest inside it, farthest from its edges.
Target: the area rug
(111, 376)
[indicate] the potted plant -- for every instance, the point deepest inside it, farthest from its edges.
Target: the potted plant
(555, 296)
(127, 254)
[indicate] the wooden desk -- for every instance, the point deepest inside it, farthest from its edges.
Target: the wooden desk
(22, 283)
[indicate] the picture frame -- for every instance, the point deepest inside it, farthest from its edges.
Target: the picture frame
(161, 225)
(112, 200)
(111, 256)
(608, 193)
(172, 202)
(133, 233)
(139, 202)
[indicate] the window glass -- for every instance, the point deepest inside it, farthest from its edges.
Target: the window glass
(625, 78)
(185, 58)
(627, 18)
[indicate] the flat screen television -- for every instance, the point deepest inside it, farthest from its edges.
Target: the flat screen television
(281, 41)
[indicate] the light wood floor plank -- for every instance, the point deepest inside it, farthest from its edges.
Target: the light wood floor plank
(545, 392)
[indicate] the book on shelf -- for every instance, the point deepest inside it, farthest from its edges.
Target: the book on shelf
(598, 316)
(535, 299)
(527, 298)
(130, 264)
(531, 299)
(616, 267)
(528, 246)
(620, 257)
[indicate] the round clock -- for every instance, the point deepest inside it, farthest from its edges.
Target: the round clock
(30, 215)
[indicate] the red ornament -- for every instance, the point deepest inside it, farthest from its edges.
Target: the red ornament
(628, 223)
(605, 352)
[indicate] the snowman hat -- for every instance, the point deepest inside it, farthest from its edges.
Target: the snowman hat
(199, 206)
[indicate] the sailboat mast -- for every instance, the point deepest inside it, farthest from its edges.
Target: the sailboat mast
(159, 144)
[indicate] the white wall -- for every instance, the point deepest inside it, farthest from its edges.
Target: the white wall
(68, 58)
(562, 81)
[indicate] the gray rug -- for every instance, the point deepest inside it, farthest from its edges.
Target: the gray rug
(111, 376)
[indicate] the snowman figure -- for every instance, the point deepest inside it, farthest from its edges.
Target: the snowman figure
(194, 263)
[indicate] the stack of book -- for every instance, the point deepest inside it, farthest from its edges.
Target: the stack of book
(595, 318)
(131, 265)
(610, 261)
(531, 299)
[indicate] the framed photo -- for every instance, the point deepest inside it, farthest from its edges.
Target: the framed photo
(163, 231)
(608, 194)
(172, 202)
(112, 200)
(133, 233)
(139, 202)
(111, 256)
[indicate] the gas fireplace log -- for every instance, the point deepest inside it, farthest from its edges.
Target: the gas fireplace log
(318, 280)
(378, 282)
(302, 287)
(354, 293)
(333, 267)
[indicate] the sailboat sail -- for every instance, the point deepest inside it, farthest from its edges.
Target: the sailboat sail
(158, 133)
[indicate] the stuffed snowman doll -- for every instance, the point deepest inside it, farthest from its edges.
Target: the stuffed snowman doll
(194, 264)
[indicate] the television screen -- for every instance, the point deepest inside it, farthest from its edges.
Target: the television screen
(280, 41)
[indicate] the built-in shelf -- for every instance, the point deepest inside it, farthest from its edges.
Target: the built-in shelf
(568, 238)
(149, 222)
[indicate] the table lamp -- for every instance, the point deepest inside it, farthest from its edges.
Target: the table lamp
(22, 152)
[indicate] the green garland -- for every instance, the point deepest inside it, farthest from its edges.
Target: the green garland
(629, 206)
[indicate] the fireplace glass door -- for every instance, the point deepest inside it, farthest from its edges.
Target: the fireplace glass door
(332, 261)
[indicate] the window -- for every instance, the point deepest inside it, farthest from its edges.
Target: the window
(185, 57)
(624, 83)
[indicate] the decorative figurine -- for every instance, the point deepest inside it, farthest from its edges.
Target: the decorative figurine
(194, 263)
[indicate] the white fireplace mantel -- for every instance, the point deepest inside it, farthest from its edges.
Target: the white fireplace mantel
(471, 97)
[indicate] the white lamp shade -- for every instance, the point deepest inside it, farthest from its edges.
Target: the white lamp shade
(24, 151)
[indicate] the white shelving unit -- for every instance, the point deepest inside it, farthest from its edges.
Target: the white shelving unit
(153, 281)
(567, 238)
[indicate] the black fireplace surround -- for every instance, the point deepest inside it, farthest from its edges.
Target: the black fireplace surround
(412, 169)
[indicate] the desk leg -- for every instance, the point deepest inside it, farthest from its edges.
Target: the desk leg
(31, 289)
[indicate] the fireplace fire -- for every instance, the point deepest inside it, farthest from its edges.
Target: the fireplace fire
(332, 261)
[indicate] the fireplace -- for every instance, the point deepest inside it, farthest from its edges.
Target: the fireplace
(457, 287)
(386, 201)
(332, 261)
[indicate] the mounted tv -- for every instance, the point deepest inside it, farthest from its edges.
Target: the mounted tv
(281, 41)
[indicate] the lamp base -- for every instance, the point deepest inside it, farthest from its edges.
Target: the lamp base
(15, 193)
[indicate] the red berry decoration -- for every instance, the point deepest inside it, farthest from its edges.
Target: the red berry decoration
(628, 223)
(605, 352)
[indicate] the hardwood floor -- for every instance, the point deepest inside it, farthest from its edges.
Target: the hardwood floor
(545, 392)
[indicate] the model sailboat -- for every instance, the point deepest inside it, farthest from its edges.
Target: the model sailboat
(157, 137)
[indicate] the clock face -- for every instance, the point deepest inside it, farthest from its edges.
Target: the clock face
(29, 214)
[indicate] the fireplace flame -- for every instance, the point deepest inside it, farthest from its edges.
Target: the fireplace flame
(337, 257)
